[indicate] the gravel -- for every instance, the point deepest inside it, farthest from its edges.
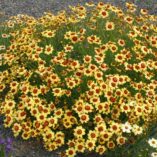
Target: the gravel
(33, 147)
(37, 7)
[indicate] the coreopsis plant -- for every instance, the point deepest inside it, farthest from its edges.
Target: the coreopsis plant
(85, 79)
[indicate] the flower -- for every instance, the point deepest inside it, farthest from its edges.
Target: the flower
(48, 49)
(48, 33)
(110, 26)
(126, 127)
(70, 152)
(152, 142)
(90, 145)
(100, 149)
(103, 14)
(79, 131)
(154, 154)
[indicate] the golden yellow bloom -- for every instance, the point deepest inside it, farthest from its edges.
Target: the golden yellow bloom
(68, 48)
(70, 152)
(87, 59)
(90, 145)
(110, 144)
(100, 128)
(48, 135)
(103, 13)
(110, 26)
(79, 131)
(58, 92)
(48, 34)
(101, 149)
(25, 135)
(144, 11)
(16, 129)
(129, 19)
(79, 147)
(92, 135)
(121, 140)
(121, 42)
(48, 49)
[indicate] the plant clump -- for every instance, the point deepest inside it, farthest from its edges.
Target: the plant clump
(85, 79)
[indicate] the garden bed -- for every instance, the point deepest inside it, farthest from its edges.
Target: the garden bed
(33, 147)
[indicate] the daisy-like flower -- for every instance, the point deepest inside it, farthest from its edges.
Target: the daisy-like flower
(110, 144)
(2, 47)
(84, 118)
(126, 127)
(137, 130)
(103, 14)
(68, 48)
(48, 33)
(16, 129)
(129, 19)
(87, 59)
(100, 149)
(58, 92)
(5, 35)
(154, 154)
(48, 49)
(110, 26)
(121, 42)
(152, 142)
(79, 131)
(121, 140)
(144, 11)
(90, 145)
(70, 152)
(80, 147)
(92, 135)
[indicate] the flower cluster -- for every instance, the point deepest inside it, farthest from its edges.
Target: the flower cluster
(85, 79)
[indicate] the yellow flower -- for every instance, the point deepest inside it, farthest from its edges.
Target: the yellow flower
(79, 147)
(115, 128)
(103, 13)
(101, 149)
(129, 19)
(70, 152)
(2, 86)
(110, 144)
(48, 49)
(106, 135)
(48, 135)
(79, 131)
(68, 48)
(90, 145)
(100, 128)
(121, 140)
(58, 113)
(87, 59)
(16, 129)
(35, 91)
(144, 11)
(48, 33)
(25, 135)
(110, 26)
(58, 92)
(121, 42)
(10, 104)
(92, 135)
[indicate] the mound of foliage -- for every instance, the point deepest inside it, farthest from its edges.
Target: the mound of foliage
(85, 79)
